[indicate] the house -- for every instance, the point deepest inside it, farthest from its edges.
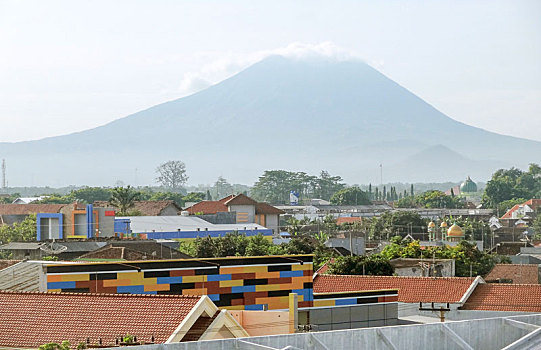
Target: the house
(424, 267)
(30, 319)
(524, 211)
(28, 200)
(149, 208)
(247, 210)
(453, 290)
(505, 297)
(60, 221)
(182, 227)
(514, 273)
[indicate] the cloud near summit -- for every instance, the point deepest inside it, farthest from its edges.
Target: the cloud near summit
(222, 65)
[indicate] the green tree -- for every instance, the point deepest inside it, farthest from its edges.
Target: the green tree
(124, 199)
(172, 175)
(65, 345)
(194, 197)
(375, 265)
(390, 224)
(91, 194)
(222, 188)
(24, 231)
(509, 184)
(178, 198)
(350, 196)
(438, 199)
(326, 185)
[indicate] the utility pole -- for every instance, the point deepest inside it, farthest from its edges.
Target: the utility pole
(4, 175)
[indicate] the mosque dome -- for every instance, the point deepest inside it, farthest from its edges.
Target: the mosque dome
(443, 224)
(455, 231)
(468, 186)
(431, 224)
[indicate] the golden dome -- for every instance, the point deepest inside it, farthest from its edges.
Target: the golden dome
(431, 224)
(443, 224)
(455, 231)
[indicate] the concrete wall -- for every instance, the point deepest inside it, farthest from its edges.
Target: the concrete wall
(272, 222)
(245, 213)
(259, 322)
(356, 316)
(107, 222)
(359, 246)
(220, 218)
(170, 210)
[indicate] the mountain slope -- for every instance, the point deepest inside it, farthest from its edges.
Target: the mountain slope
(279, 113)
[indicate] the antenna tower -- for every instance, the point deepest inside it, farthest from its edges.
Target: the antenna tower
(3, 174)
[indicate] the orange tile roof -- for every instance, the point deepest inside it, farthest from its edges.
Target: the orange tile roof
(207, 207)
(147, 208)
(532, 203)
(521, 274)
(505, 297)
(348, 220)
(30, 319)
(410, 289)
(510, 212)
(26, 209)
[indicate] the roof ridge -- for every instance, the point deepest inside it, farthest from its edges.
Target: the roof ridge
(403, 277)
(112, 295)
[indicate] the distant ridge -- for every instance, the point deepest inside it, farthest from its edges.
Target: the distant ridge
(280, 113)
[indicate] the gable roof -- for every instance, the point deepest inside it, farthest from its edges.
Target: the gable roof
(207, 207)
(240, 199)
(532, 203)
(27, 209)
(147, 208)
(54, 317)
(410, 289)
(264, 208)
(518, 273)
(505, 297)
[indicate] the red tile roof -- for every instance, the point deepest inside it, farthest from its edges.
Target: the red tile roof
(26, 209)
(240, 199)
(7, 263)
(410, 289)
(207, 207)
(264, 208)
(521, 274)
(348, 220)
(532, 203)
(30, 319)
(505, 297)
(147, 208)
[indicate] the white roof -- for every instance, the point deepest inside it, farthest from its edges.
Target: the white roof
(28, 200)
(141, 224)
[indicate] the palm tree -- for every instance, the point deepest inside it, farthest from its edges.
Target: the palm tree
(123, 198)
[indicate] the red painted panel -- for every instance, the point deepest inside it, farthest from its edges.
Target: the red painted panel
(109, 213)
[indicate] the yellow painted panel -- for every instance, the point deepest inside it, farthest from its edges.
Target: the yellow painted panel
(269, 300)
(77, 236)
(266, 288)
(54, 290)
(273, 274)
(76, 277)
(248, 269)
(319, 303)
(54, 278)
(192, 279)
(116, 283)
(226, 270)
(156, 287)
(232, 283)
(303, 267)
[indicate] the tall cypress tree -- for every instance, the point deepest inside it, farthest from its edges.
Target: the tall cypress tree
(411, 190)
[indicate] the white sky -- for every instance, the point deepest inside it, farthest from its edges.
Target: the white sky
(71, 65)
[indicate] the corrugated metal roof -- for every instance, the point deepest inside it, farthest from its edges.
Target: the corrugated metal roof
(82, 246)
(143, 224)
(23, 276)
(21, 246)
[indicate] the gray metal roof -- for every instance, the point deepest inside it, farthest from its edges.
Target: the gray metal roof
(23, 276)
(82, 246)
(20, 246)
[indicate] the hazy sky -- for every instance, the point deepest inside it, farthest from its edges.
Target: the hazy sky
(67, 66)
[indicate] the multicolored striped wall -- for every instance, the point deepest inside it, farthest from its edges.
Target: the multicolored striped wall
(238, 283)
(355, 298)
